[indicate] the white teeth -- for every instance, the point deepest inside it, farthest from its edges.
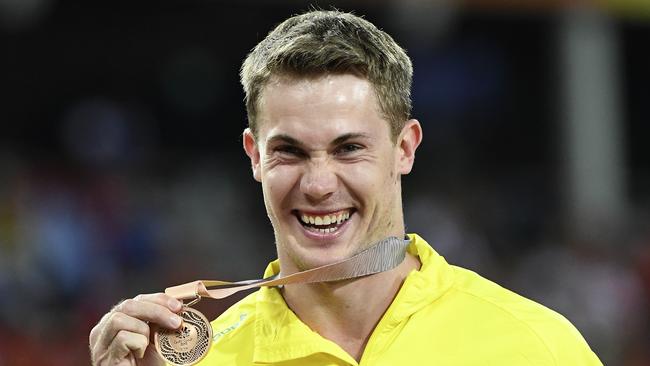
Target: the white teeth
(325, 220)
(325, 231)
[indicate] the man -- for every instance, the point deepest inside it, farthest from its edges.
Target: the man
(330, 134)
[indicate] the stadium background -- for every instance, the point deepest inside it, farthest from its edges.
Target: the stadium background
(121, 170)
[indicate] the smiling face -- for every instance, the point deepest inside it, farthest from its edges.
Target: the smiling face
(329, 168)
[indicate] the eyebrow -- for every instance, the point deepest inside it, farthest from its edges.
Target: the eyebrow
(284, 138)
(348, 136)
(339, 140)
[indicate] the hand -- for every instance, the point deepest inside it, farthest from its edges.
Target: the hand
(122, 336)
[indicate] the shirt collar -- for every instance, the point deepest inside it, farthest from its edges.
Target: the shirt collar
(280, 335)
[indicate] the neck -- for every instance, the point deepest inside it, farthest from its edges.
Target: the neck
(346, 312)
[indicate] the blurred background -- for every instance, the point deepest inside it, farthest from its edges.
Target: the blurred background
(121, 170)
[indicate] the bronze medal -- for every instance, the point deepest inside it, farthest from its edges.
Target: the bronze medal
(188, 344)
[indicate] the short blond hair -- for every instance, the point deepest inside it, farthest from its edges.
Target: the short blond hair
(322, 42)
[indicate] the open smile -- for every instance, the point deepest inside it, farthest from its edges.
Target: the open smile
(324, 223)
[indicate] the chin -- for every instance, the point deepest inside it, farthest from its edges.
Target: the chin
(307, 257)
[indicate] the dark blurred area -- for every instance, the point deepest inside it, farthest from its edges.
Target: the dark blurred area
(121, 170)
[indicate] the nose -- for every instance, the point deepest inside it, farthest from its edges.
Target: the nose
(319, 180)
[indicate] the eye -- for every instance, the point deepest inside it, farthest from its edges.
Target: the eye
(289, 150)
(348, 148)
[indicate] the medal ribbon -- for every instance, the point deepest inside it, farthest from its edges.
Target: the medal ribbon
(188, 345)
(381, 256)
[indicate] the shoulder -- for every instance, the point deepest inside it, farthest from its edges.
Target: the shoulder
(533, 325)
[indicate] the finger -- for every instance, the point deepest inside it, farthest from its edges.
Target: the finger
(158, 298)
(162, 299)
(150, 312)
(118, 322)
(96, 332)
(125, 343)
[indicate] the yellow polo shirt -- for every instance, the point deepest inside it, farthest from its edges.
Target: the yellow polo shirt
(443, 315)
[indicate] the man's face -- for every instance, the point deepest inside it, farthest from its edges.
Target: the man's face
(329, 169)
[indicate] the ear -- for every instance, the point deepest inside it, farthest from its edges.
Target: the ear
(250, 146)
(407, 142)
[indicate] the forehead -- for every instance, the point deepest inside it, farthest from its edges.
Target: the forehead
(323, 105)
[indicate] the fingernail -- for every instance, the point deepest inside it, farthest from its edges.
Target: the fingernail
(175, 321)
(174, 304)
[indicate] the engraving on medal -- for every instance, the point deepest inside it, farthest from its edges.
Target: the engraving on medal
(187, 345)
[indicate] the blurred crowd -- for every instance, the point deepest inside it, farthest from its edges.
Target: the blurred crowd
(73, 244)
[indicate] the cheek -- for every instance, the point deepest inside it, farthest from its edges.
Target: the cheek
(356, 175)
(278, 184)
(368, 181)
